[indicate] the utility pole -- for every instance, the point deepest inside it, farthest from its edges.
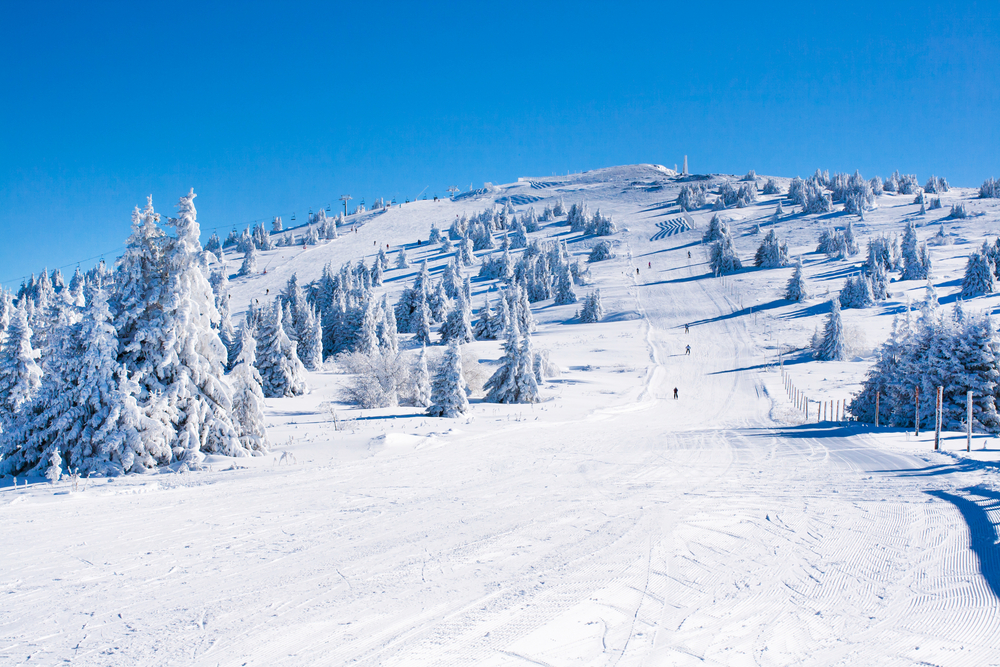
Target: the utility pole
(345, 199)
(453, 190)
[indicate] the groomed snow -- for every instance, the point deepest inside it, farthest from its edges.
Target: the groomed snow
(608, 525)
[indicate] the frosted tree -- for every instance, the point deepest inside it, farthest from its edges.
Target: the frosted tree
(388, 336)
(282, 374)
(771, 253)
(449, 392)
(716, 229)
(600, 252)
(458, 325)
(249, 266)
(485, 329)
(593, 308)
(401, 260)
(86, 408)
(723, 259)
(276, 225)
(913, 267)
(188, 370)
(979, 276)
(422, 322)
(465, 252)
(857, 293)
(797, 290)
(514, 381)
(309, 346)
(20, 374)
(565, 294)
(832, 347)
(368, 336)
(54, 472)
(422, 381)
(248, 398)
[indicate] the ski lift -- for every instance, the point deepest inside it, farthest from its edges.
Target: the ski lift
(327, 208)
(293, 217)
(393, 200)
(310, 211)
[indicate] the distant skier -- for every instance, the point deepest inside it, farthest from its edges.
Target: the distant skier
(686, 329)
(637, 270)
(689, 254)
(675, 393)
(687, 350)
(649, 265)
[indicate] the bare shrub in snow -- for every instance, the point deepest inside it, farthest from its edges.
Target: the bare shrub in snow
(378, 378)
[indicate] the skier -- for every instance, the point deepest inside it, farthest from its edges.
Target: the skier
(689, 254)
(687, 350)
(637, 270)
(649, 265)
(685, 328)
(675, 393)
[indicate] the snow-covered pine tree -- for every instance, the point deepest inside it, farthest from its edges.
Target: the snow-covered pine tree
(601, 252)
(857, 292)
(979, 276)
(771, 253)
(458, 325)
(214, 245)
(401, 260)
(262, 238)
(388, 336)
(797, 290)
(519, 239)
(367, 342)
(422, 321)
(723, 259)
(249, 266)
(913, 268)
(716, 230)
(309, 345)
(832, 348)
(593, 308)
(422, 381)
(514, 381)
(484, 326)
(564, 293)
(188, 371)
(276, 224)
(248, 399)
(20, 374)
(86, 408)
(449, 393)
(521, 308)
(577, 217)
(281, 372)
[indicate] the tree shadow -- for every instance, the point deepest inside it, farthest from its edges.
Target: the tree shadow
(983, 532)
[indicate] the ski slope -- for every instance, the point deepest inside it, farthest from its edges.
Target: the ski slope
(608, 525)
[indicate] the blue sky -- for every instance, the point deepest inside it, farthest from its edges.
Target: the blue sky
(267, 109)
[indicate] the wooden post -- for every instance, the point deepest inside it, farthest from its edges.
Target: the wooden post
(877, 393)
(916, 413)
(937, 421)
(968, 421)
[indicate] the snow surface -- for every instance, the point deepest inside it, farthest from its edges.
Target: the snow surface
(608, 525)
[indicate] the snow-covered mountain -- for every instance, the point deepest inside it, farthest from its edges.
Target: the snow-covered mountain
(686, 490)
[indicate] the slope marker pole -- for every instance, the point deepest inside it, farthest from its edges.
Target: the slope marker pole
(968, 421)
(937, 420)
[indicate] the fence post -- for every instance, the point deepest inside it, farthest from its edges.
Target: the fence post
(968, 421)
(937, 422)
(876, 407)
(916, 413)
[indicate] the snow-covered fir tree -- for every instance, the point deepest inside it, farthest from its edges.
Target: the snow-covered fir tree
(514, 381)
(723, 259)
(458, 324)
(281, 372)
(979, 276)
(564, 292)
(388, 336)
(857, 292)
(601, 252)
(797, 290)
(249, 265)
(422, 381)
(20, 374)
(402, 262)
(449, 393)
(832, 347)
(248, 399)
(309, 345)
(913, 267)
(771, 253)
(593, 308)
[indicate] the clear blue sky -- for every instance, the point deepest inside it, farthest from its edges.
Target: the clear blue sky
(271, 108)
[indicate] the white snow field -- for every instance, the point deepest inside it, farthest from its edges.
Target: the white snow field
(609, 524)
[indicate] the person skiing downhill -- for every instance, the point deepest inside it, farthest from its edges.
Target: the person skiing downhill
(675, 393)
(687, 350)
